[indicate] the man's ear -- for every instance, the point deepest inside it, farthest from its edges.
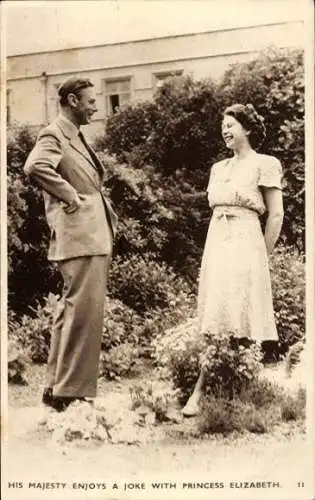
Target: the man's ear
(72, 100)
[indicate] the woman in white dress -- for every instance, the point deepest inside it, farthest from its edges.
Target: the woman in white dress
(234, 287)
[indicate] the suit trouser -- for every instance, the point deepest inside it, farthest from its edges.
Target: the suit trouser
(76, 338)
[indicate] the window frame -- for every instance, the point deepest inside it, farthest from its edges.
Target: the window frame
(160, 76)
(112, 80)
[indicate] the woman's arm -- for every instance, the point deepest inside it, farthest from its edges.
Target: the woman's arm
(274, 205)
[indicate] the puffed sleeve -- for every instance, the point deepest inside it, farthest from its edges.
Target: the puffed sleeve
(270, 172)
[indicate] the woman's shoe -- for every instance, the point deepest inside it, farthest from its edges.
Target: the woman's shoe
(191, 409)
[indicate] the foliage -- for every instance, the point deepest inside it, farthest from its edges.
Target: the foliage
(274, 83)
(155, 396)
(157, 169)
(156, 218)
(262, 393)
(220, 415)
(228, 365)
(288, 286)
(157, 321)
(295, 356)
(120, 361)
(182, 136)
(121, 324)
(178, 351)
(127, 130)
(180, 348)
(143, 283)
(33, 332)
(293, 406)
(30, 276)
(258, 409)
(178, 130)
(17, 362)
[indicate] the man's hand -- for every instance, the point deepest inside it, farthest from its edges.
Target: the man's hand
(72, 207)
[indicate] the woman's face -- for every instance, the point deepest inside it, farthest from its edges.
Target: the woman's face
(233, 132)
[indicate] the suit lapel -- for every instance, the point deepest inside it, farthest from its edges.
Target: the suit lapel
(75, 142)
(78, 145)
(97, 163)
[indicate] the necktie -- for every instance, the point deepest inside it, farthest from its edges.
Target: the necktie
(90, 151)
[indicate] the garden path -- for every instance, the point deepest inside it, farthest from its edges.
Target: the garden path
(176, 456)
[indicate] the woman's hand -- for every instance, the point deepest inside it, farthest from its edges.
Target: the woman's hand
(274, 204)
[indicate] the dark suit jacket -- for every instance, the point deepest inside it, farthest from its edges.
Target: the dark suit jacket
(63, 167)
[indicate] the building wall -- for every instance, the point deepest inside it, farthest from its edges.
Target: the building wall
(33, 78)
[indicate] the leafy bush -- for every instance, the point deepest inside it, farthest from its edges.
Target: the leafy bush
(258, 408)
(293, 407)
(155, 396)
(288, 286)
(164, 151)
(120, 361)
(33, 333)
(142, 283)
(228, 365)
(17, 362)
(182, 137)
(220, 415)
(148, 298)
(121, 324)
(274, 83)
(262, 393)
(295, 357)
(156, 321)
(128, 129)
(180, 347)
(179, 129)
(155, 217)
(30, 276)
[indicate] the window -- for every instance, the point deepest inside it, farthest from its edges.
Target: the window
(117, 93)
(160, 78)
(8, 107)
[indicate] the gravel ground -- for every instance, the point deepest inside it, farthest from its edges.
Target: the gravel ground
(185, 467)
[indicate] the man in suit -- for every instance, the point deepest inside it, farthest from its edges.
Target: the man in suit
(82, 226)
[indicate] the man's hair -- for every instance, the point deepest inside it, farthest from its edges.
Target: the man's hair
(72, 85)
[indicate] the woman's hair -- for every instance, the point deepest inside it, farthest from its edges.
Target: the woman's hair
(248, 117)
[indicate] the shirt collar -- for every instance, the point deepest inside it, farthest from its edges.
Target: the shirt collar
(72, 130)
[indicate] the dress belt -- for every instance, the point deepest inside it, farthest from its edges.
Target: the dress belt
(225, 213)
(234, 211)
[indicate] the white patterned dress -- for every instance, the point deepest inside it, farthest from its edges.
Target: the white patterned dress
(234, 286)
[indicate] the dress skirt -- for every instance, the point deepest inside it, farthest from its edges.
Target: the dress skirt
(235, 294)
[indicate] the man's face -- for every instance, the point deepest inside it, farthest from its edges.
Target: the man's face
(85, 106)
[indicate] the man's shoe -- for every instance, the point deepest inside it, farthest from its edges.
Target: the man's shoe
(55, 402)
(47, 395)
(59, 403)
